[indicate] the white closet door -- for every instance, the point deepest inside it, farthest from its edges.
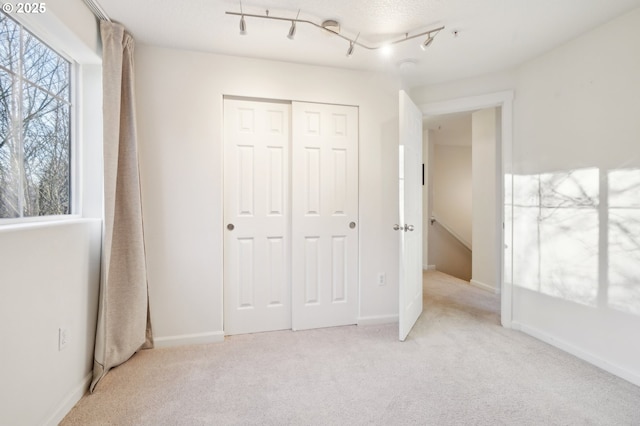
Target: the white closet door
(257, 290)
(324, 215)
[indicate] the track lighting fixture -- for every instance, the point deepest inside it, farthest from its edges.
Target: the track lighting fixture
(330, 29)
(292, 30)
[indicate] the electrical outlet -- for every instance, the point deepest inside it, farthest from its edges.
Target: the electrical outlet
(382, 278)
(63, 338)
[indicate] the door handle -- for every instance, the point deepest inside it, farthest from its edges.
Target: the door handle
(404, 228)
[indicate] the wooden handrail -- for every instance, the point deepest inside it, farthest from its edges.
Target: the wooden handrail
(451, 231)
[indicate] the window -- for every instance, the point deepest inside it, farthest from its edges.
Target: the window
(35, 126)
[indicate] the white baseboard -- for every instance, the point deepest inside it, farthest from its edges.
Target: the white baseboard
(188, 339)
(576, 351)
(484, 286)
(70, 401)
(429, 267)
(378, 319)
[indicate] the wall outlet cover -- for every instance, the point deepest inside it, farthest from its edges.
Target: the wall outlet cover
(63, 338)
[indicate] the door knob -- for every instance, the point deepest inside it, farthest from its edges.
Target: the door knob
(352, 225)
(230, 227)
(408, 228)
(396, 227)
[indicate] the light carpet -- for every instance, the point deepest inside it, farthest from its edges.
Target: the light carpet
(458, 367)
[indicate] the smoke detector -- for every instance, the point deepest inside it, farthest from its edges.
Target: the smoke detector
(407, 65)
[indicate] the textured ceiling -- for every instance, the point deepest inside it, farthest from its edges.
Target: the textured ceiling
(492, 34)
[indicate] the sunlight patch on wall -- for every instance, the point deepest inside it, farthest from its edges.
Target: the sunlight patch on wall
(624, 240)
(555, 228)
(576, 236)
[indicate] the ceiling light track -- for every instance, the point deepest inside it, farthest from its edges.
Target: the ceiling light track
(352, 42)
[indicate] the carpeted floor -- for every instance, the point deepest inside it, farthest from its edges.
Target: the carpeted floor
(458, 367)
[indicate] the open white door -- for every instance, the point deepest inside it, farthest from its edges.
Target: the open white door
(410, 225)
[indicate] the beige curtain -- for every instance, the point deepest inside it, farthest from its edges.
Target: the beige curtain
(123, 314)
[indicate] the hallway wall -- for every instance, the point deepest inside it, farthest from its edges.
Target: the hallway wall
(486, 154)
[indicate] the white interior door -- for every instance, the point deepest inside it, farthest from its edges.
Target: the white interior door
(410, 226)
(324, 215)
(257, 285)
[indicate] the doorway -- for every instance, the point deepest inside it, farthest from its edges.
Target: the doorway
(290, 215)
(448, 194)
(499, 242)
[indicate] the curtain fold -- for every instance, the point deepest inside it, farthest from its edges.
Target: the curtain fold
(124, 325)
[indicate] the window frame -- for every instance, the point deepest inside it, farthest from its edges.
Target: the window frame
(75, 154)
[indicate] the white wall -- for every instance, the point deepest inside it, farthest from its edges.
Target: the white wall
(452, 183)
(485, 133)
(49, 280)
(427, 199)
(451, 192)
(474, 86)
(180, 130)
(50, 271)
(575, 131)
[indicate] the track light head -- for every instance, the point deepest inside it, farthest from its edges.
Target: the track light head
(292, 30)
(243, 26)
(427, 42)
(352, 45)
(350, 50)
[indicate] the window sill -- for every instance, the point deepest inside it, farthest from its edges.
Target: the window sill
(12, 225)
